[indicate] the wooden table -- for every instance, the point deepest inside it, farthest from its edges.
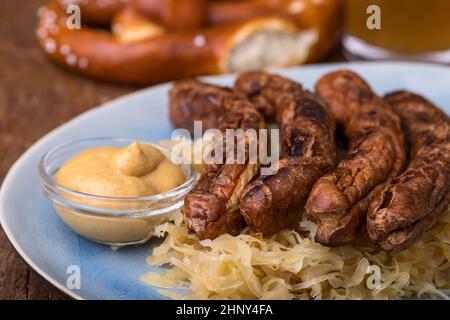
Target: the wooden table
(36, 97)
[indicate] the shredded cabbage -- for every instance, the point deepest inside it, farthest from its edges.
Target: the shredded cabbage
(290, 265)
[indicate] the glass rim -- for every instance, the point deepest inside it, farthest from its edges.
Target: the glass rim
(49, 182)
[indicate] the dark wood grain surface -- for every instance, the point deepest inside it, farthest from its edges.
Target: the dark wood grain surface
(36, 97)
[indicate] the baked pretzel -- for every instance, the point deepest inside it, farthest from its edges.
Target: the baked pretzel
(376, 154)
(174, 15)
(95, 12)
(185, 14)
(154, 41)
(325, 16)
(410, 203)
(271, 203)
(211, 208)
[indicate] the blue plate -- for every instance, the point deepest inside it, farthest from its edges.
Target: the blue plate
(50, 247)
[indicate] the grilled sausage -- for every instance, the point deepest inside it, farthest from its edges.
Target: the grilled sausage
(192, 100)
(339, 201)
(409, 205)
(211, 208)
(273, 202)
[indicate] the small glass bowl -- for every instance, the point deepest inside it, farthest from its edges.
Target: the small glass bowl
(109, 220)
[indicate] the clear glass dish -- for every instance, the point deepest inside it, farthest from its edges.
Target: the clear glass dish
(109, 220)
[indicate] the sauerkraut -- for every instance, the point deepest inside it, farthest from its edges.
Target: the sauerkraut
(290, 265)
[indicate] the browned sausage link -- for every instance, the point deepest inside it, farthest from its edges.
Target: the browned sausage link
(409, 205)
(274, 202)
(267, 91)
(192, 100)
(211, 209)
(339, 200)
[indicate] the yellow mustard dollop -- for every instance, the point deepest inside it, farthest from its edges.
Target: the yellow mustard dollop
(134, 171)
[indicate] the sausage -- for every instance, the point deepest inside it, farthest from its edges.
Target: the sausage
(267, 92)
(376, 154)
(309, 152)
(273, 202)
(408, 206)
(191, 100)
(164, 56)
(211, 208)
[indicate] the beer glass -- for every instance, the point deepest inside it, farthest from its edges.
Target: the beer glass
(398, 29)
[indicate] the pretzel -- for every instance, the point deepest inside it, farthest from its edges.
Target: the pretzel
(185, 14)
(339, 200)
(153, 41)
(325, 16)
(128, 26)
(409, 205)
(174, 15)
(95, 12)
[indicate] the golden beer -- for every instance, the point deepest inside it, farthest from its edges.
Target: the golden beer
(407, 26)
